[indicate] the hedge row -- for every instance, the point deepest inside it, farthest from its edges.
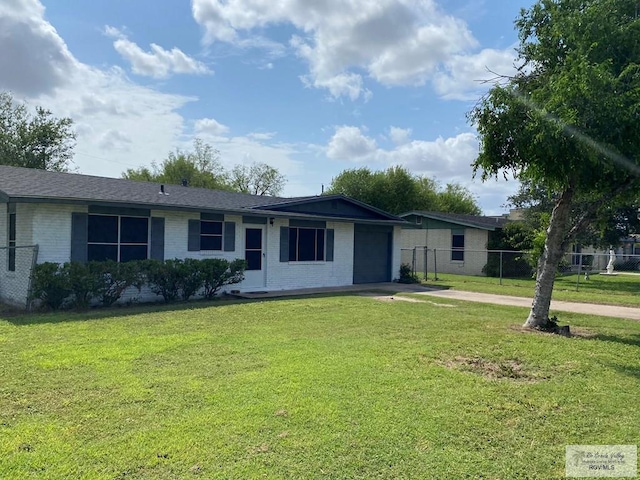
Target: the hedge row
(78, 285)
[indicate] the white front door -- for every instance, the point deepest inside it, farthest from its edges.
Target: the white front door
(254, 255)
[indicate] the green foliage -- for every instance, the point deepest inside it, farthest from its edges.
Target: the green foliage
(202, 168)
(83, 283)
(217, 273)
(34, 141)
(190, 277)
(50, 285)
(407, 275)
(164, 278)
(257, 179)
(114, 278)
(396, 190)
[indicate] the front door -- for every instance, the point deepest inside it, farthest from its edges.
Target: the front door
(254, 255)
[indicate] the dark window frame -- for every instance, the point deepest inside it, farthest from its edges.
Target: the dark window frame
(319, 251)
(457, 246)
(11, 238)
(212, 235)
(119, 244)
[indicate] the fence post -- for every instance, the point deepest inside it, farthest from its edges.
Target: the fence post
(34, 262)
(579, 271)
(426, 251)
(500, 267)
(413, 261)
(435, 265)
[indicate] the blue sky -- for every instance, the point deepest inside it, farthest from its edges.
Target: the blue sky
(311, 87)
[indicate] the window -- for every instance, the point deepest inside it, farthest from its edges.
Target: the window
(117, 238)
(210, 235)
(457, 245)
(306, 244)
(11, 212)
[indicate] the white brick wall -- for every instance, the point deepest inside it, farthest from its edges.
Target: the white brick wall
(290, 275)
(49, 226)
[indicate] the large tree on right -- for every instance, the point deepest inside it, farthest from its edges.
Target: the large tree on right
(569, 120)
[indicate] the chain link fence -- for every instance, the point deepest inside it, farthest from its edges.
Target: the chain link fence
(16, 268)
(428, 263)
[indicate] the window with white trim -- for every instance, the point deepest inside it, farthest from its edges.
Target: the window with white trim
(11, 234)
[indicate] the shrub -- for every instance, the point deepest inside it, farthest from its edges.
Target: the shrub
(83, 283)
(189, 277)
(217, 273)
(164, 278)
(50, 285)
(407, 275)
(113, 278)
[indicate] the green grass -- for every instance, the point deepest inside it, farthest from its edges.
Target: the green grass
(621, 289)
(335, 387)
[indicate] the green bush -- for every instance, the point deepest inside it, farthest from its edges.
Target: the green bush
(164, 278)
(83, 283)
(50, 285)
(407, 275)
(217, 273)
(114, 278)
(189, 277)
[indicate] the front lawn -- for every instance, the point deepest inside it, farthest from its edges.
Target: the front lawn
(333, 387)
(622, 289)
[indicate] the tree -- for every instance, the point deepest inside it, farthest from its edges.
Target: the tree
(257, 179)
(395, 190)
(202, 168)
(34, 140)
(568, 121)
(198, 168)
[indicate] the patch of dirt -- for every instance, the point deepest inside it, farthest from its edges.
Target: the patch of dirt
(579, 332)
(510, 369)
(393, 298)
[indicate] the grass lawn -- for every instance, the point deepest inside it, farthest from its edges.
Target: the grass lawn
(334, 387)
(622, 289)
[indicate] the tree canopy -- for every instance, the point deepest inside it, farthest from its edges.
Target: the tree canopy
(34, 140)
(202, 168)
(568, 121)
(396, 190)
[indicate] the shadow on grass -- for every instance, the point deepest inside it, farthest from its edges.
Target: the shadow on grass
(633, 340)
(22, 318)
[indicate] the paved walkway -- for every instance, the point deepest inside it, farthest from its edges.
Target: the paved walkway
(584, 308)
(395, 288)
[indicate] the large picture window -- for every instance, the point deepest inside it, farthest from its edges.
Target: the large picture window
(457, 245)
(306, 244)
(117, 238)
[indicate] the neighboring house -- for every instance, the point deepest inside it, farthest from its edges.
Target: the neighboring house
(287, 242)
(460, 241)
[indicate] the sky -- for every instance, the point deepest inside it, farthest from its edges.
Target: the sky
(311, 87)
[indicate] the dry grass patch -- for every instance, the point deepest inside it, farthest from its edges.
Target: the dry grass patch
(510, 369)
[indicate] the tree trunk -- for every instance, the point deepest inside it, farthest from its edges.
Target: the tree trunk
(549, 261)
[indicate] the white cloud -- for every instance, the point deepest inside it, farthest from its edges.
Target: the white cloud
(349, 143)
(444, 159)
(158, 63)
(399, 136)
(464, 76)
(395, 42)
(211, 126)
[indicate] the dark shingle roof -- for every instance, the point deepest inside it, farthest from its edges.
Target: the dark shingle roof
(477, 221)
(28, 184)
